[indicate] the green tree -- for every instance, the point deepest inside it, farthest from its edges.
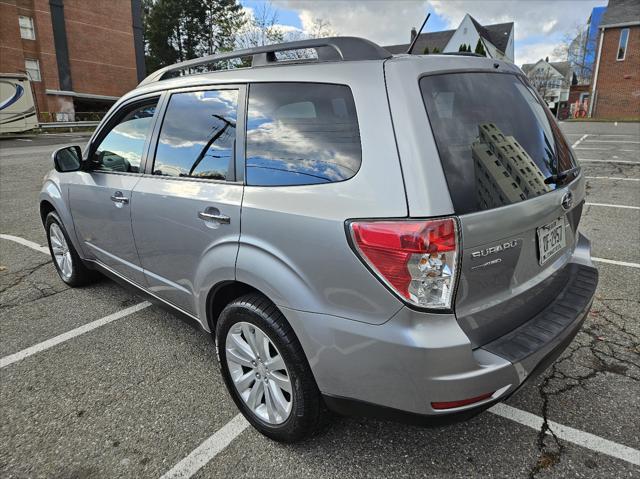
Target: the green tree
(224, 19)
(178, 30)
(426, 51)
(480, 48)
(462, 48)
(436, 50)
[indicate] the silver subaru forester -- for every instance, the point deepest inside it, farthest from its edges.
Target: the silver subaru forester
(393, 236)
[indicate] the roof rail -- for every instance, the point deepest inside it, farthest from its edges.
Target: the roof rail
(327, 50)
(463, 54)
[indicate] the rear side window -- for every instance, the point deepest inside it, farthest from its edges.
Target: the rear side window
(497, 143)
(198, 135)
(301, 134)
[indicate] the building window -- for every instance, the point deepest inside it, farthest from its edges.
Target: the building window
(26, 28)
(33, 69)
(622, 48)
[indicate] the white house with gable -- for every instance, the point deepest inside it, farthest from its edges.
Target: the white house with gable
(496, 39)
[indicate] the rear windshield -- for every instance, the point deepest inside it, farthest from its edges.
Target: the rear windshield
(497, 143)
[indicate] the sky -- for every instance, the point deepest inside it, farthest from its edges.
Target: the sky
(539, 24)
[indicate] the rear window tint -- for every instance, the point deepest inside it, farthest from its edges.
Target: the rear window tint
(497, 142)
(301, 134)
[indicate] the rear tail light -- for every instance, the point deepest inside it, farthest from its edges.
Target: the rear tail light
(416, 259)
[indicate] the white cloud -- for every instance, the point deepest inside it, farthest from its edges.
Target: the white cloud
(534, 52)
(532, 17)
(389, 22)
(384, 22)
(250, 15)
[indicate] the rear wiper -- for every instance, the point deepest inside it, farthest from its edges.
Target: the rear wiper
(561, 176)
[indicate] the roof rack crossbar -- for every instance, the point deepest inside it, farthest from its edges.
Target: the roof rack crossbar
(327, 49)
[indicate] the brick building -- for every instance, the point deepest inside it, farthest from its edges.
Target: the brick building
(80, 55)
(615, 89)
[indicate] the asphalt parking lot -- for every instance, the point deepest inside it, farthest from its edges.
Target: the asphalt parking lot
(136, 394)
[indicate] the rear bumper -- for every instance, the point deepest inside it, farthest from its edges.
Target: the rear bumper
(397, 369)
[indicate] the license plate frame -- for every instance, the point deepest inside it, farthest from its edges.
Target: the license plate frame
(552, 238)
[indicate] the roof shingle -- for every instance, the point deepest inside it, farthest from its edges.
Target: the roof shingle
(621, 12)
(498, 34)
(432, 40)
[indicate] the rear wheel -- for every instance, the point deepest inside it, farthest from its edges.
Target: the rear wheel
(266, 371)
(66, 260)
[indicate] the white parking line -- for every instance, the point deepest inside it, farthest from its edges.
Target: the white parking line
(49, 343)
(216, 443)
(598, 135)
(209, 449)
(589, 160)
(606, 149)
(614, 206)
(579, 141)
(614, 141)
(25, 242)
(569, 434)
(614, 178)
(219, 441)
(619, 263)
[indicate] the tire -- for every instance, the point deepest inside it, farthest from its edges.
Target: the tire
(73, 271)
(306, 410)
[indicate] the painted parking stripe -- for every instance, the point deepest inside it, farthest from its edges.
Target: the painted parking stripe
(209, 449)
(590, 160)
(605, 149)
(219, 441)
(216, 443)
(569, 434)
(614, 141)
(25, 242)
(614, 206)
(599, 135)
(582, 138)
(619, 263)
(49, 343)
(614, 178)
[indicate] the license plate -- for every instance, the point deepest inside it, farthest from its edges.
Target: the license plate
(551, 239)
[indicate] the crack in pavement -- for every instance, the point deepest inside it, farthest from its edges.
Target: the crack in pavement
(11, 298)
(607, 340)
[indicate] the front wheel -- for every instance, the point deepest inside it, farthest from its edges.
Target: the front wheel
(66, 260)
(266, 371)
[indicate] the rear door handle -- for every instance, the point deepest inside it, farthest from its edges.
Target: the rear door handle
(213, 216)
(117, 197)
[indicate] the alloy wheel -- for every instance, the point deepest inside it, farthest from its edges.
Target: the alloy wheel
(259, 373)
(61, 252)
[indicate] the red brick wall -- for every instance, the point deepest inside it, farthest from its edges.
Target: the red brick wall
(101, 48)
(99, 39)
(618, 83)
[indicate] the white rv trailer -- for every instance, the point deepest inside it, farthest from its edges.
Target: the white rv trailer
(17, 108)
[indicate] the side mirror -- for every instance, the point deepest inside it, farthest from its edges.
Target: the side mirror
(67, 159)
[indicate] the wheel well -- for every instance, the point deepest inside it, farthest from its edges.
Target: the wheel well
(222, 295)
(45, 209)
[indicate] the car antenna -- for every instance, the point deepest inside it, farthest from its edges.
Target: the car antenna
(415, 39)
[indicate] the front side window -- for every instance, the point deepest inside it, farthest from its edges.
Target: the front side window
(198, 135)
(122, 148)
(498, 144)
(27, 31)
(622, 46)
(301, 134)
(33, 69)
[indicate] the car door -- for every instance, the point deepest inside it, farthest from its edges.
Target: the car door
(100, 195)
(186, 209)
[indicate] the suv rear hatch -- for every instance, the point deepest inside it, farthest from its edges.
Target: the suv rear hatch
(510, 175)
